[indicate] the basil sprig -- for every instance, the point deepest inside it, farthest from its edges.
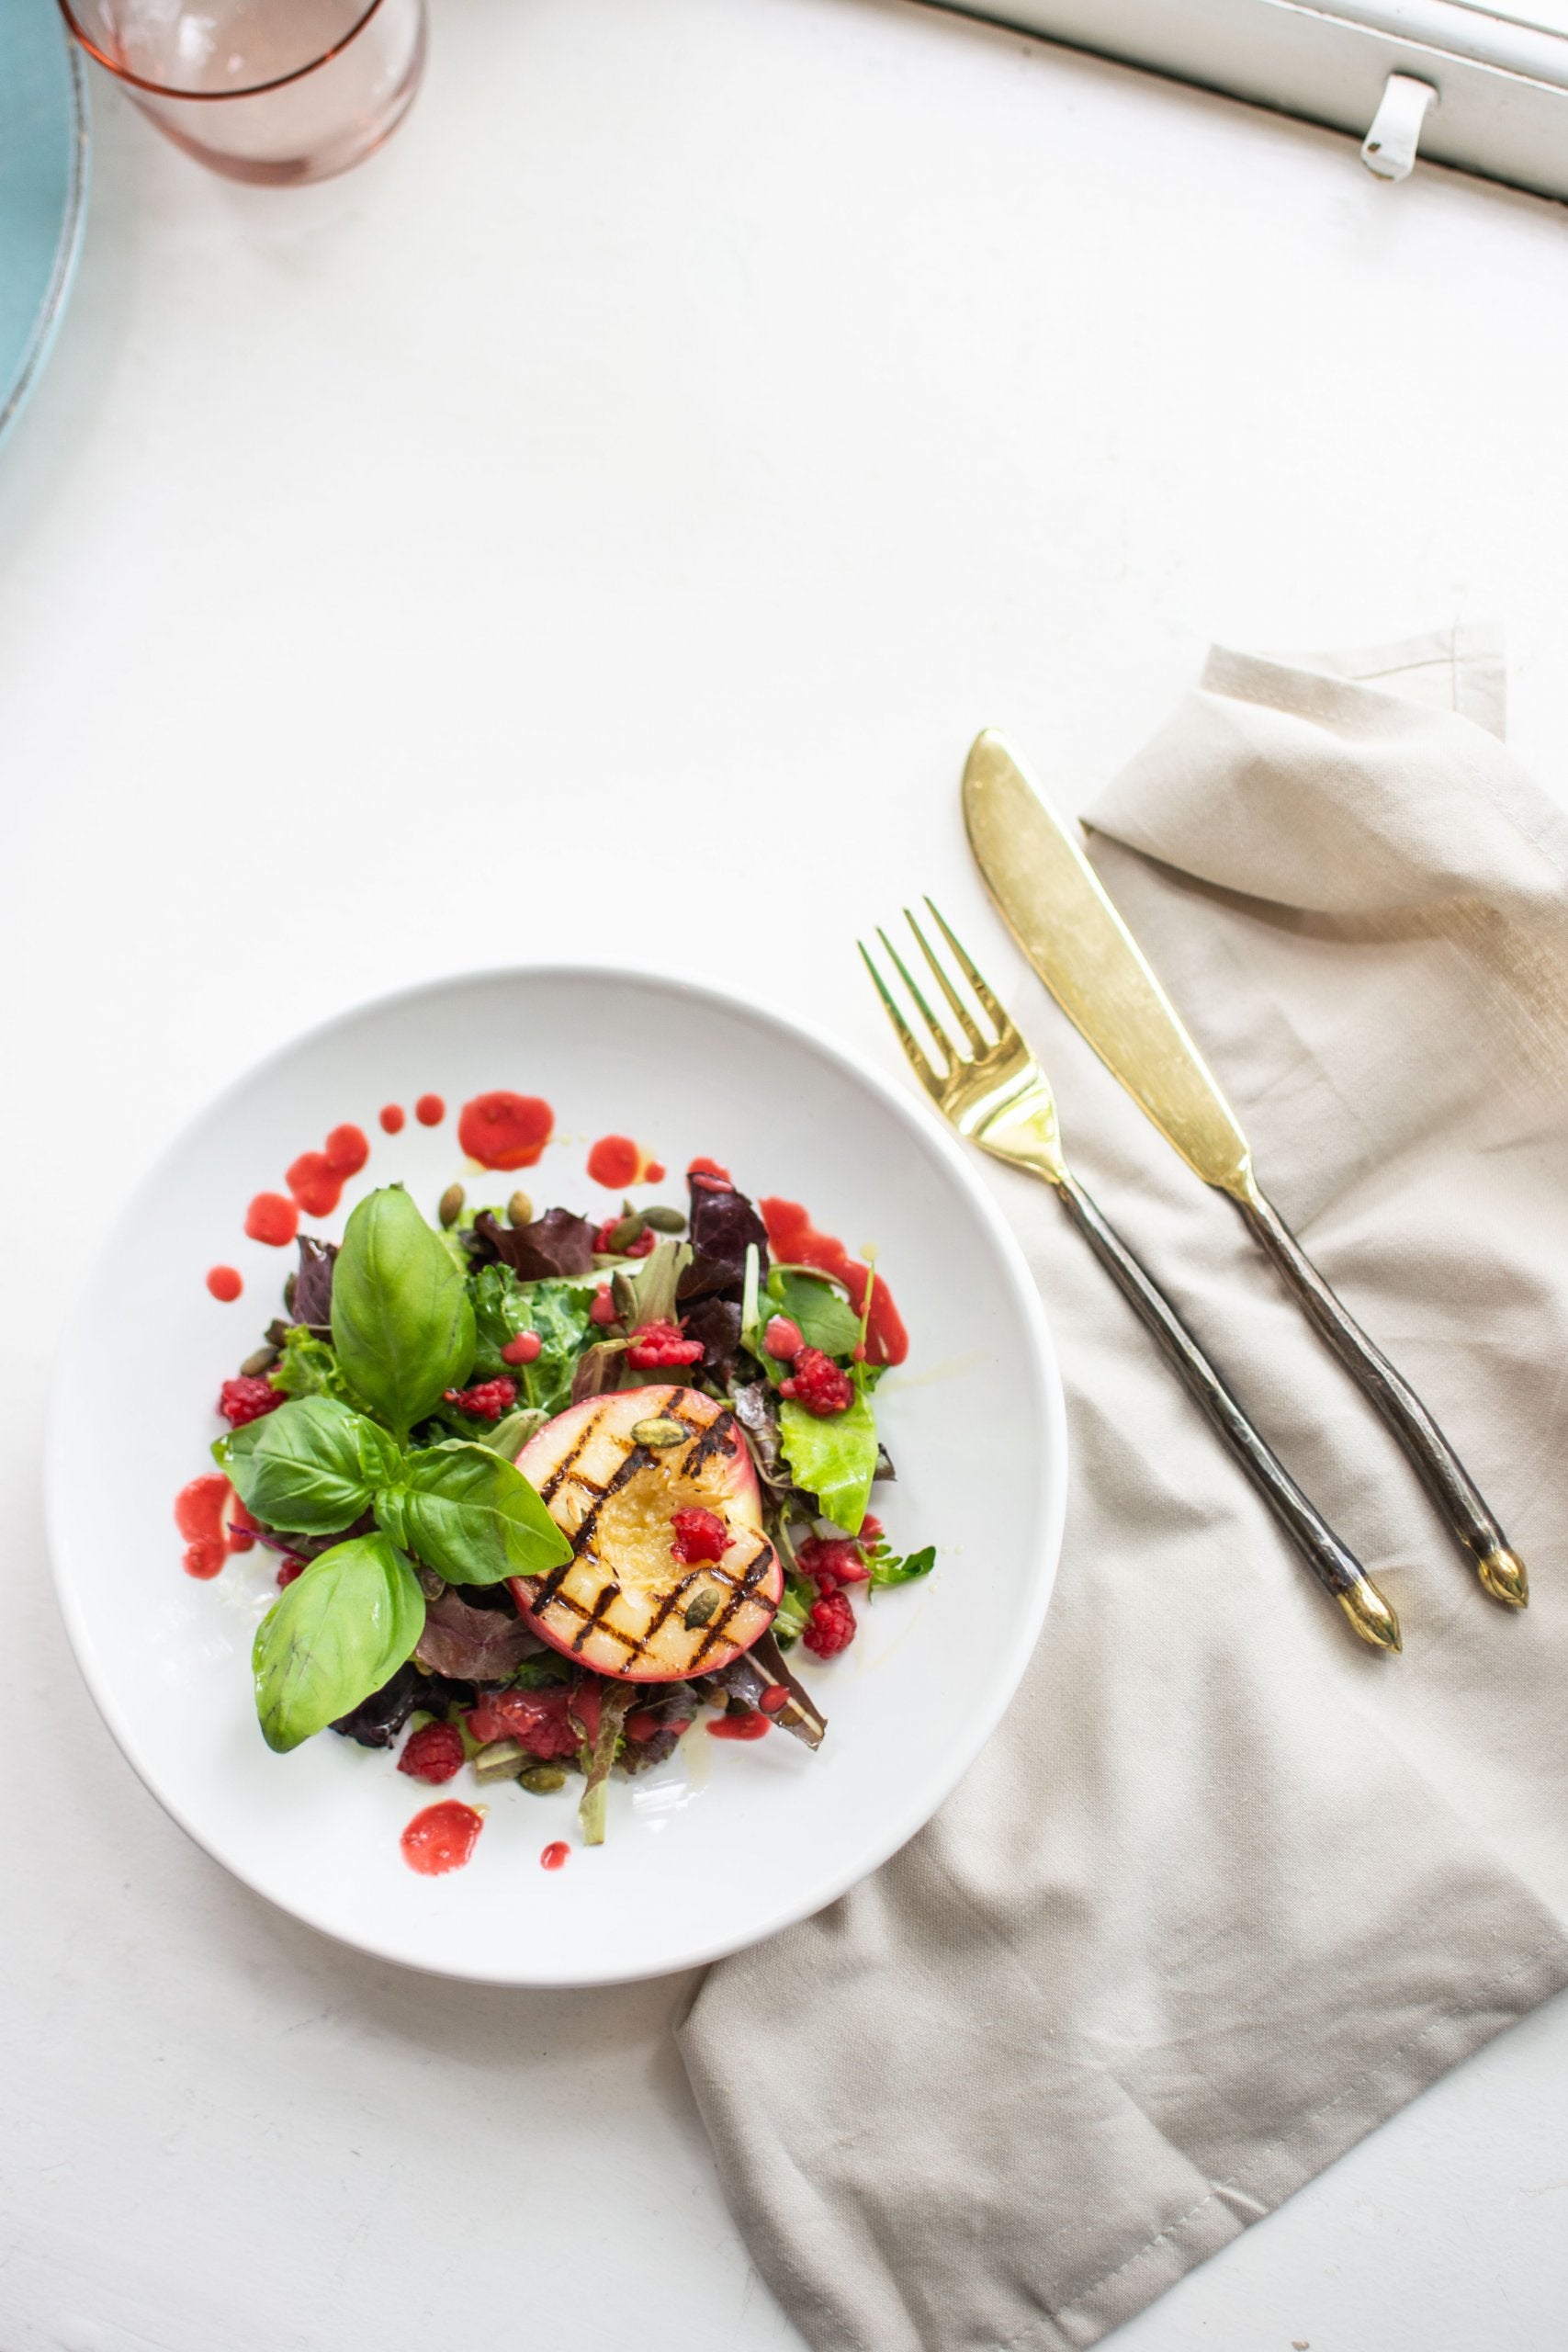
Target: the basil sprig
(471, 1515)
(339, 1632)
(314, 1467)
(308, 1467)
(402, 1321)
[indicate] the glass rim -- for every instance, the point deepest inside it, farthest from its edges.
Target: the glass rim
(213, 97)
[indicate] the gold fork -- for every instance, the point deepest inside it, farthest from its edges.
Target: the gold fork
(998, 1096)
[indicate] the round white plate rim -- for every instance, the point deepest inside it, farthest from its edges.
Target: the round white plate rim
(1024, 1632)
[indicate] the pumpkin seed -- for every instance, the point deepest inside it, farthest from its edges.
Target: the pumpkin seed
(519, 1209)
(658, 1431)
(543, 1779)
(629, 1229)
(501, 1760)
(260, 1359)
(699, 1611)
(624, 1295)
(451, 1207)
(664, 1220)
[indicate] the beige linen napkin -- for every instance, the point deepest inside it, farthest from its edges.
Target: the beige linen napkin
(1226, 1889)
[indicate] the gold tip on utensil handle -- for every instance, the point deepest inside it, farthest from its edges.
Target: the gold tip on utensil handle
(1503, 1574)
(1370, 1615)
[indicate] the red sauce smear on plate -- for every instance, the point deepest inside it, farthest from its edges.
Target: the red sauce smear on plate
(313, 1184)
(224, 1283)
(441, 1838)
(317, 1177)
(554, 1856)
(739, 1727)
(613, 1162)
(348, 1148)
(199, 1515)
(272, 1219)
(392, 1118)
(502, 1130)
(793, 1239)
(430, 1110)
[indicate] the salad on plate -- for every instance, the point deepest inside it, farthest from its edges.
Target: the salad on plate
(547, 1492)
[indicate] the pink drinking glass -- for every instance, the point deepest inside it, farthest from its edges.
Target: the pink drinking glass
(276, 91)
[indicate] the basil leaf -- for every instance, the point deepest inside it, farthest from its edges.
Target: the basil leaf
(890, 1571)
(469, 1515)
(402, 1324)
(310, 1467)
(339, 1632)
(825, 1319)
(833, 1459)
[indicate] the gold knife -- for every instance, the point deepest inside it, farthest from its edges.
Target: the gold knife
(1057, 909)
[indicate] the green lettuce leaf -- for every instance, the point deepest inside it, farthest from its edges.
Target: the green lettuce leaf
(886, 1569)
(834, 1459)
(307, 1366)
(825, 1319)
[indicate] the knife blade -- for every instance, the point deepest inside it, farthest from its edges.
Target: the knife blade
(1060, 913)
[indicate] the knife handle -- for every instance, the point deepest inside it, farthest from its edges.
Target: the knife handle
(1442, 1473)
(1336, 1568)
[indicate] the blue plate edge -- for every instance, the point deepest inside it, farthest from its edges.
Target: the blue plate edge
(67, 252)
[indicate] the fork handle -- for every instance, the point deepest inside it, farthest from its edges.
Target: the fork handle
(1443, 1473)
(1336, 1568)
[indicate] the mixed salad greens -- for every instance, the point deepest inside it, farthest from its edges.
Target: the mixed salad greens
(544, 1490)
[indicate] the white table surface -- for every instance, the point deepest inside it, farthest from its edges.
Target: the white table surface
(656, 465)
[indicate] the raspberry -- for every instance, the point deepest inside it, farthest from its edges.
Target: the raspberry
(603, 1310)
(871, 1529)
(833, 1560)
(488, 1401)
(659, 1347)
(536, 1718)
(818, 1384)
(524, 1348)
(244, 1400)
(290, 1570)
(434, 1752)
(701, 1538)
(831, 1627)
(782, 1338)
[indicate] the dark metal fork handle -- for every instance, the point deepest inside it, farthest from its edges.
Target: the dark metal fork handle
(1444, 1474)
(1336, 1568)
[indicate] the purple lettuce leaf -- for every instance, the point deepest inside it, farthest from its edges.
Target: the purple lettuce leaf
(470, 1644)
(376, 1720)
(723, 1225)
(555, 1244)
(312, 1303)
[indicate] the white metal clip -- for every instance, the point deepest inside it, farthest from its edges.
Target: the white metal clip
(1389, 147)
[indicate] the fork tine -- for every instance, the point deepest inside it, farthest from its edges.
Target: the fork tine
(965, 1017)
(905, 1035)
(966, 964)
(949, 1050)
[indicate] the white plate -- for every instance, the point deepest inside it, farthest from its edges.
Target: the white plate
(728, 1841)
